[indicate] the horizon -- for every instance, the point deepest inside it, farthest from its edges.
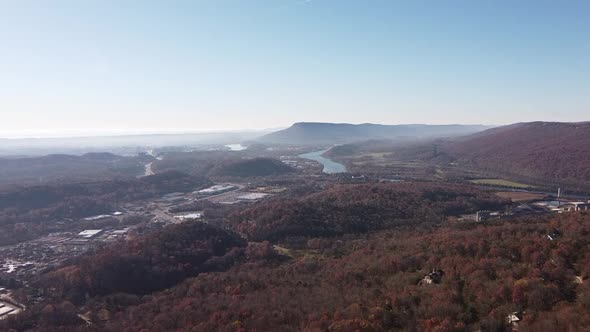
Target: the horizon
(106, 133)
(155, 132)
(227, 65)
(294, 165)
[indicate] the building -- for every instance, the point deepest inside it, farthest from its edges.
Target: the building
(90, 233)
(216, 189)
(120, 232)
(576, 206)
(513, 319)
(252, 196)
(290, 162)
(117, 234)
(434, 277)
(190, 216)
(481, 216)
(99, 217)
(7, 309)
(228, 202)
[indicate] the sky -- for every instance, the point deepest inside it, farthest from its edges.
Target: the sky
(83, 67)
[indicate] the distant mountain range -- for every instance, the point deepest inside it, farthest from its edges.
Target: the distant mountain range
(307, 133)
(122, 144)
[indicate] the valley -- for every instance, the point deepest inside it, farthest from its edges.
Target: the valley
(294, 166)
(290, 224)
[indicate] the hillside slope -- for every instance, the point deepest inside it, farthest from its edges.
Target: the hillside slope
(551, 151)
(359, 209)
(305, 133)
(345, 283)
(252, 167)
(71, 168)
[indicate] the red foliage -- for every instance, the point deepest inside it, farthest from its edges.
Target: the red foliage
(360, 208)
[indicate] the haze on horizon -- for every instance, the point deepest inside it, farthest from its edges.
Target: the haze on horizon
(97, 67)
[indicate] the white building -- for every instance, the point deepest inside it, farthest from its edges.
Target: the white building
(89, 233)
(216, 189)
(190, 216)
(252, 196)
(99, 217)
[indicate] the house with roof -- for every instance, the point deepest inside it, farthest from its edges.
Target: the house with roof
(434, 277)
(514, 319)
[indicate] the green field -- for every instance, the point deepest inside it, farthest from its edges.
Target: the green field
(501, 182)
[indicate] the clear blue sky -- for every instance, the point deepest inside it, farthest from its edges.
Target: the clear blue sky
(90, 66)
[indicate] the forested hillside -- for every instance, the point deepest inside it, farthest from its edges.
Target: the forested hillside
(549, 151)
(545, 153)
(360, 208)
(222, 164)
(252, 167)
(146, 264)
(373, 284)
(344, 283)
(56, 168)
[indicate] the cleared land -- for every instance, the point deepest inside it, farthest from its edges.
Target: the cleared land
(519, 196)
(501, 182)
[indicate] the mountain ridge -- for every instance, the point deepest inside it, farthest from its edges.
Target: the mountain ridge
(553, 151)
(306, 133)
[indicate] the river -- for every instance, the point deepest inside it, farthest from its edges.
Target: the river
(330, 166)
(148, 169)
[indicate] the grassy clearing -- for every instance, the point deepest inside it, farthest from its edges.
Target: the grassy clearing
(501, 182)
(283, 251)
(517, 196)
(386, 163)
(376, 155)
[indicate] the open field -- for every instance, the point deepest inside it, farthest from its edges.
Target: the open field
(519, 196)
(501, 182)
(377, 155)
(384, 162)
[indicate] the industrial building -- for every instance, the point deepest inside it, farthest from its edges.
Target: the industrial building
(560, 206)
(99, 217)
(90, 233)
(190, 216)
(216, 189)
(120, 231)
(252, 196)
(481, 216)
(576, 206)
(104, 216)
(7, 309)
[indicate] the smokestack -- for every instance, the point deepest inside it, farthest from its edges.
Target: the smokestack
(558, 192)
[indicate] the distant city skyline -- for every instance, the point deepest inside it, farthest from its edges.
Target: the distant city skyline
(71, 68)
